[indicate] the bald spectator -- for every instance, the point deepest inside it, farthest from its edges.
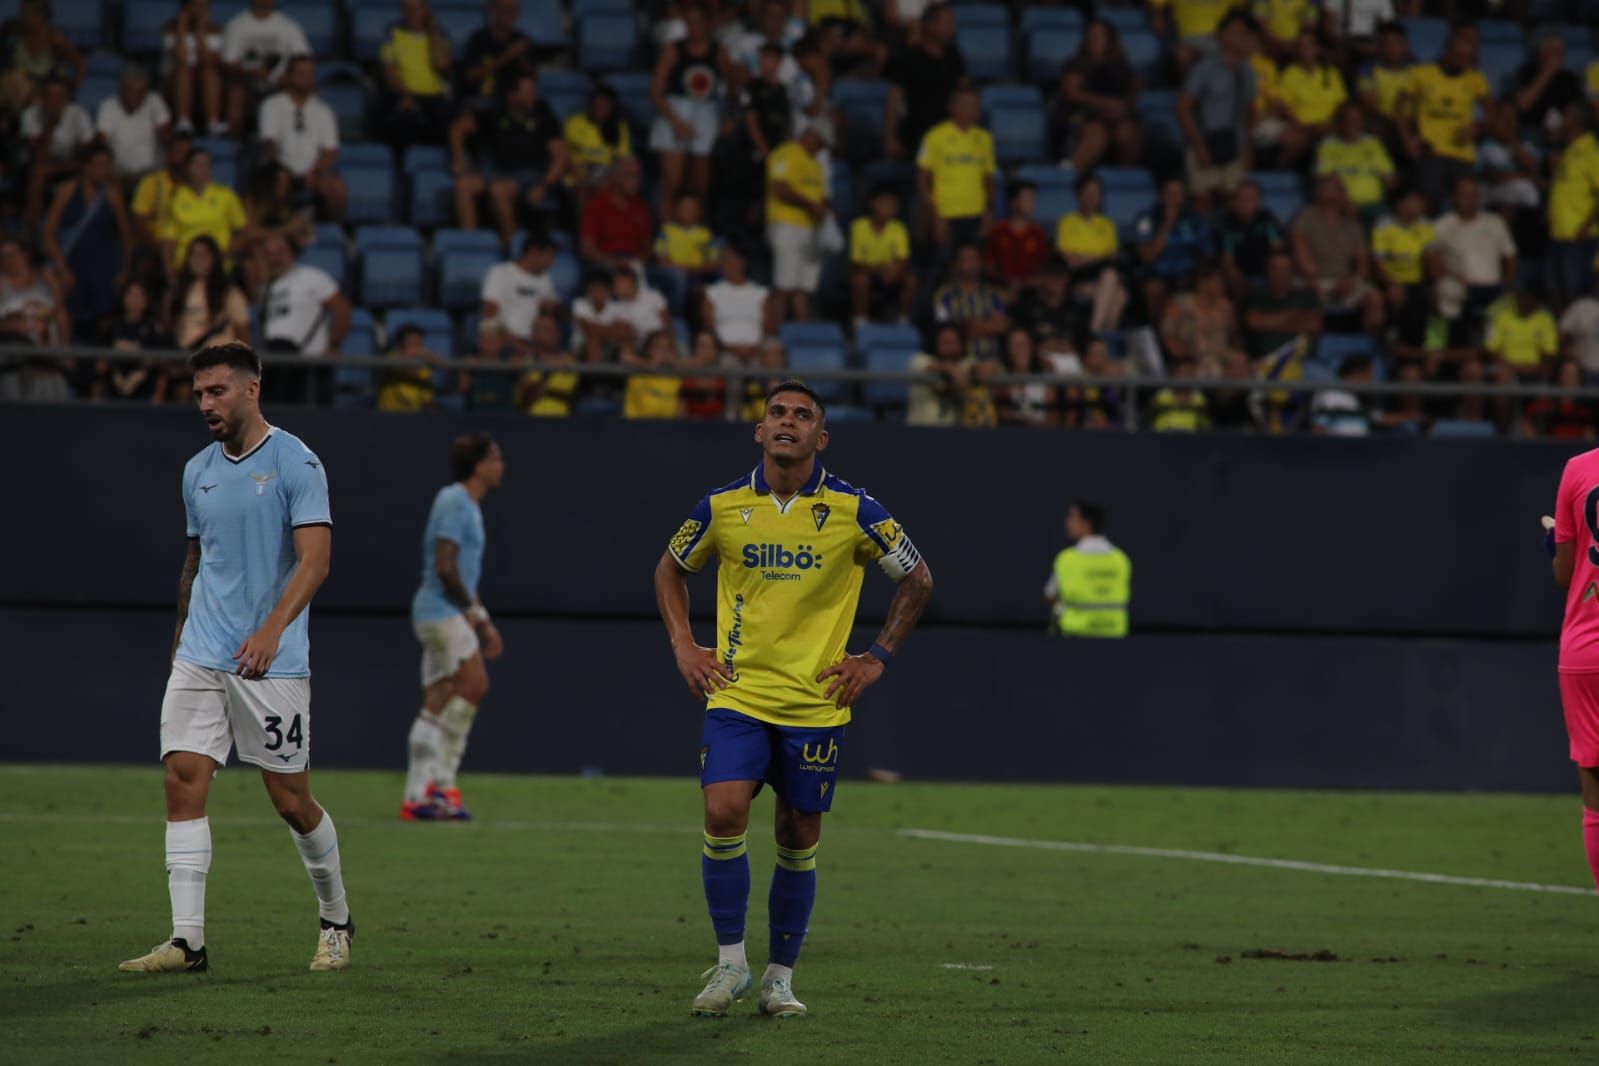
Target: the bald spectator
(1329, 248)
(616, 229)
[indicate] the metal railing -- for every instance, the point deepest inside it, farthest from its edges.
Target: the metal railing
(1132, 390)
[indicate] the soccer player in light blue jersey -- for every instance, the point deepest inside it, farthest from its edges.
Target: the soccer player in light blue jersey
(260, 536)
(454, 630)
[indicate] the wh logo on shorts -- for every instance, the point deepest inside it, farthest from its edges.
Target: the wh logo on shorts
(818, 755)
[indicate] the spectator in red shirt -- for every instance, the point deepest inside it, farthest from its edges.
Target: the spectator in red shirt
(1018, 247)
(617, 230)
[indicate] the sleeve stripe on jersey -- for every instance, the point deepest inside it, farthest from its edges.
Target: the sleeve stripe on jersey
(311, 525)
(902, 560)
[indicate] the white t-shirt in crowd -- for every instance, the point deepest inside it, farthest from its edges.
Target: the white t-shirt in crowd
(1359, 18)
(1474, 249)
(295, 310)
(739, 312)
(583, 313)
(135, 148)
(74, 129)
(302, 132)
(263, 44)
(642, 312)
(1340, 414)
(519, 296)
(1581, 324)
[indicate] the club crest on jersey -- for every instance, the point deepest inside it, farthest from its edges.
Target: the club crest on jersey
(745, 512)
(261, 482)
(820, 511)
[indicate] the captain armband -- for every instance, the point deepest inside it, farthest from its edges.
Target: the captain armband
(901, 560)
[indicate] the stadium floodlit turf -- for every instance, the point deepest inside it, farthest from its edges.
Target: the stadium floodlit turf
(566, 925)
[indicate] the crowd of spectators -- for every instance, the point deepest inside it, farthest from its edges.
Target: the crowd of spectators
(1431, 224)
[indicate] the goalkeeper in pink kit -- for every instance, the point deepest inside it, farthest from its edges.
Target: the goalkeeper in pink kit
(1572, 537)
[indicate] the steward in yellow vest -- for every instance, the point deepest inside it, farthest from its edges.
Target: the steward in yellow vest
(1092, 582)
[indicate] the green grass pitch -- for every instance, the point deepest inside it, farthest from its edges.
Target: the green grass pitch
(567, 925)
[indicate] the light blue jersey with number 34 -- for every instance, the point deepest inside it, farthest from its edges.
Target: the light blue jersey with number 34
(244, 512)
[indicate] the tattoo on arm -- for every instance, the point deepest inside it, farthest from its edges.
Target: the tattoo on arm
(191, 568)
(448, 556)
(909, 599)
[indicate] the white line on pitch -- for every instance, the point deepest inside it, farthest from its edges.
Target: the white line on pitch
(57, 818)
(1243, 860)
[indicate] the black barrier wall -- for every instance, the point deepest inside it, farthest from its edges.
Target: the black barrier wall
(1234, 533)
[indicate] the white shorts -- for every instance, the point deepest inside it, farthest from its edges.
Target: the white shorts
(212, 711)
(446, 644)
(796, 258)
(702, 115)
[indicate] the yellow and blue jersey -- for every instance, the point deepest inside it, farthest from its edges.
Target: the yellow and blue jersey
(244, 512)
(787, 584)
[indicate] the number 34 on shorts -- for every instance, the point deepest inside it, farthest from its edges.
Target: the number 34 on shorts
(214, 711)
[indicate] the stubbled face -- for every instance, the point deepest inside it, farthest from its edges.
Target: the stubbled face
(228, 399)
(792, 428)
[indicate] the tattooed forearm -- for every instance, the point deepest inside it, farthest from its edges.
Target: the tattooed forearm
(191, 567)
(909, 598)
(447, 555)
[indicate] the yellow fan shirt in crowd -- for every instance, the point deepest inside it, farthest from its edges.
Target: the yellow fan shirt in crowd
(1399, 249)
(411, 53)
(873, 247)
(1094, 238)
(791, 164)
(1574, 189)
(1592, 78)
(652, 396)
(1266, 79)
(1283, 19)
(1386, 84)
(1522, 341)
(558, 395)
(1311, 96)
(1363, 165)
(1444, 103)
(587, 147)
(686, 247)
(960, 162)
(150, 199)
(214, 213)
(1197, 18)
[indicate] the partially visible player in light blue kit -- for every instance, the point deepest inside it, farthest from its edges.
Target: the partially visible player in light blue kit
(454, 630)
(260, 537)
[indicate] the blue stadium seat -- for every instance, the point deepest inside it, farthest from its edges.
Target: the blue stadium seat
(105, 64)
(1143, 50)
(1579, 53)
(224, 159)
(372, 191)
(861, 101)
(1012, 94)
(849, 412)
(94, 89)
(459, 23)
(1051, 18)
(594, 7)
(1056, 196)
(82, 21)
(841, 192)
(1333, 348)
(1499, 62)
(425, 157)
(320, 23)
(1451, 427)
(969, 15)
(886, 348)
(1125, 20)
(366, 153)
(1157, 111)
(1284, 203)
(1049, 49)
(1277, 180)
(1020, 133)
(567, 273)
(1124, 205)
(461, 276)
(813, 334)
(391, 265)
(804, 357)
(142, 21)
(1502, 31)
(432, 198)
(369, 28)
(987, 50)
(1128, 178)
(370, 238)
(353, 386)
(607, 41)
(1427, 36)
(544, 21)
(465, 240)
(438, 332)
(329, 257)
(566, 91)
(632, 87)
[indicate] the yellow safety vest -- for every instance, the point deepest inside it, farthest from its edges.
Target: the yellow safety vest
(1094, 589)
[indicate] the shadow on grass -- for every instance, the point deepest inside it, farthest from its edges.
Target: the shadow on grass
(1547, 1009)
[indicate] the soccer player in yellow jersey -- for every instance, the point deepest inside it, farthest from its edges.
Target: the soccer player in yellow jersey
(791, 542)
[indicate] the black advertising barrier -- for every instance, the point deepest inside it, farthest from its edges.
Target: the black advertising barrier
(1226, 532)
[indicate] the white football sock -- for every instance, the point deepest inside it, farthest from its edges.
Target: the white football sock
(455, 722)
(319, 850)
(774, 971)
(425, 742)
(188, 861)
(733, 953)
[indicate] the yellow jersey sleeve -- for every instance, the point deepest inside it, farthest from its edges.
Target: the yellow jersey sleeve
(232, 212)
(145, 194)
(1592, 78)
(1546, 334)
(690, 545)
(883, 541)
(987, 152)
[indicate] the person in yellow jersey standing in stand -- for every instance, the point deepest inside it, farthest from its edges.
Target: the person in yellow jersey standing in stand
(1092, 583)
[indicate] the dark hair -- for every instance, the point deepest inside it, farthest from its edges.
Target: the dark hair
(1206, 268)
(1017, 189)
(771, 48)
(1084, 179)
(611, 128)
(410, 329)
(1236, 15)
(1354, 363)
(234, 354)
(296, 60)
(880, 190)
(1093, 513)
(467, 451)
(1392, 26)
(535, 237)
(932, 11)
(800, 387)
(596, 277)
(1115, 54)
(216, 283)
